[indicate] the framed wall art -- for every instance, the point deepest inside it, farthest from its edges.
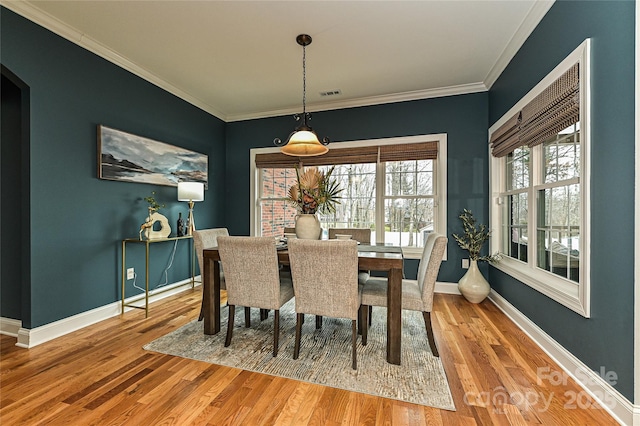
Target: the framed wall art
(129, 158)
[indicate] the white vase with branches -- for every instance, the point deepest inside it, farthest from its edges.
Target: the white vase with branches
(473, 286)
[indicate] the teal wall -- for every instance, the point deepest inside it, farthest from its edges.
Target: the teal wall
(76, 221)
(463, 118)
(606, 339)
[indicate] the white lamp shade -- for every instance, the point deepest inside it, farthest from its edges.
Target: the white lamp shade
(304, 143)
(190, 191)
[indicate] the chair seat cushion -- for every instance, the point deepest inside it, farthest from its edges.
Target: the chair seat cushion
(374, 293)
(363, 276)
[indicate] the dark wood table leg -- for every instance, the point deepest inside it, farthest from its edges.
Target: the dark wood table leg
(211, 296)
(394, 316)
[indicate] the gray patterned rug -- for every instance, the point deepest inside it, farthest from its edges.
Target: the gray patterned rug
(325, 355)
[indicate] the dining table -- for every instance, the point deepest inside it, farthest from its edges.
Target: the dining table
(375, 257)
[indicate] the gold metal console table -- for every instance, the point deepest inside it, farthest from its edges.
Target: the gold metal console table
(147, 243)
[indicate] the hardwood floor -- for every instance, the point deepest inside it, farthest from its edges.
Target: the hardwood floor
(101, 375)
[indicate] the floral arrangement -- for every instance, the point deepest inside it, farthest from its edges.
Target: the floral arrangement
(153, 204)
(474, 238)
(315, 191)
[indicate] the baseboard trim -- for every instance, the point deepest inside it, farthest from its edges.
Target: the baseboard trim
(447, 288)
(596, 386)
(10, 326)
(28, 338)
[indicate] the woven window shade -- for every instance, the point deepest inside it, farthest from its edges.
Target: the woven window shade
(409, 151)
(506, 138)
(276, 160)
(355, 155)
(553, 110)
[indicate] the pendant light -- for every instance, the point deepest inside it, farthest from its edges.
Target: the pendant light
(303, 141)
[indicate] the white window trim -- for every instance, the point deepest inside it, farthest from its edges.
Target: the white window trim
(575, 296)
(440, 177)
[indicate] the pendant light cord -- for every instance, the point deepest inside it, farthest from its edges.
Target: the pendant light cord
(304, 80)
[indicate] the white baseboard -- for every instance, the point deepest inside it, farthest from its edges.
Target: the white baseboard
(447, 288)
(596, 386)
(10, 326)
(28, 338)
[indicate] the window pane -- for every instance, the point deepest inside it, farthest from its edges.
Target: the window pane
(559, 231)
(357, 206)
(408, 221)
(517, 164)
(562, 156)
(516, 235)
(275, 212)
(409, 177)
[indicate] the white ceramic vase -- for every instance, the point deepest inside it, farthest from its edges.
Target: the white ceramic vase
(308, 227)
(472, 285)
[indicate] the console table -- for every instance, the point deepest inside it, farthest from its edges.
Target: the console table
(147, 244)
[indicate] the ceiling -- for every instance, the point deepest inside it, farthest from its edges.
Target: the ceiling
(239, 59)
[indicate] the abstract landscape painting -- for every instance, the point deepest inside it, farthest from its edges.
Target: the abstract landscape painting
(126, 157)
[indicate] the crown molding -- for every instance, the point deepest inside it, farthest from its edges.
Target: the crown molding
(533, 18)
(40, 17)
(368, 101)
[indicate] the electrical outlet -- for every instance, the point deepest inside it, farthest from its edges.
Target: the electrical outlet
(465, 263)
(131, 273)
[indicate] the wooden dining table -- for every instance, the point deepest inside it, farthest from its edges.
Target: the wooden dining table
(383, 258)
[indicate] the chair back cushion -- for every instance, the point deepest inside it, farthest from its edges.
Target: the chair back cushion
(207, 238)
(325, 277)
(362, 235)
(429, 267)
(251, 271)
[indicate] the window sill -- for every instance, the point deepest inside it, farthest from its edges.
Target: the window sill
(566, 292)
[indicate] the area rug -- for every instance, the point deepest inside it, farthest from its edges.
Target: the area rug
(325, 354)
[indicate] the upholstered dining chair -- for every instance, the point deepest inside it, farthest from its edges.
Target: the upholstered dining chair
(325, 282)
(253, 279)
(417, 295)
(207, 238)
(361, 235)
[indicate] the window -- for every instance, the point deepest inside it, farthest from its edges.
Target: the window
(388, 186)
(539, 180)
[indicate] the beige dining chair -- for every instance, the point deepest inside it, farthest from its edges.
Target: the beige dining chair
(417, 295)
(325, 282)
(202, 239)
(253, 280)
(361, 235)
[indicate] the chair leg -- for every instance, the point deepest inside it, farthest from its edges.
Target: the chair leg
(276, 330)
(430, 337)
(264, 314)
(247, 317)
(232, 314)
(364, 324)
(354, 337)
(201, 316)
(318, 322)
(370, 313)
(296, 348)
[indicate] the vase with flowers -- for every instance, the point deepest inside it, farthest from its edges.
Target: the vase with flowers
(314, 192)
(154, 217)
(473, 286)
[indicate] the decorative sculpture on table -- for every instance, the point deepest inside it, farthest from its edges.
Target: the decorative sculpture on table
(153, 218)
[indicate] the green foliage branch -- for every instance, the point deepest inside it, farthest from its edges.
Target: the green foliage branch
(474, 238)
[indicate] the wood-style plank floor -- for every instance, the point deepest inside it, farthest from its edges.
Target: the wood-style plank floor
(101, 375)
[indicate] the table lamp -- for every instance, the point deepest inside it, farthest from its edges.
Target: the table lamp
(191, 192)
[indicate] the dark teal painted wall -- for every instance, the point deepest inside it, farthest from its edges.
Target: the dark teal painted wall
(78, 220)
(463, 118)
(11, 220)
(606, 339)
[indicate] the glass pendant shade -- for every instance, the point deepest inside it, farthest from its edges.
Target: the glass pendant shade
(304, 143)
